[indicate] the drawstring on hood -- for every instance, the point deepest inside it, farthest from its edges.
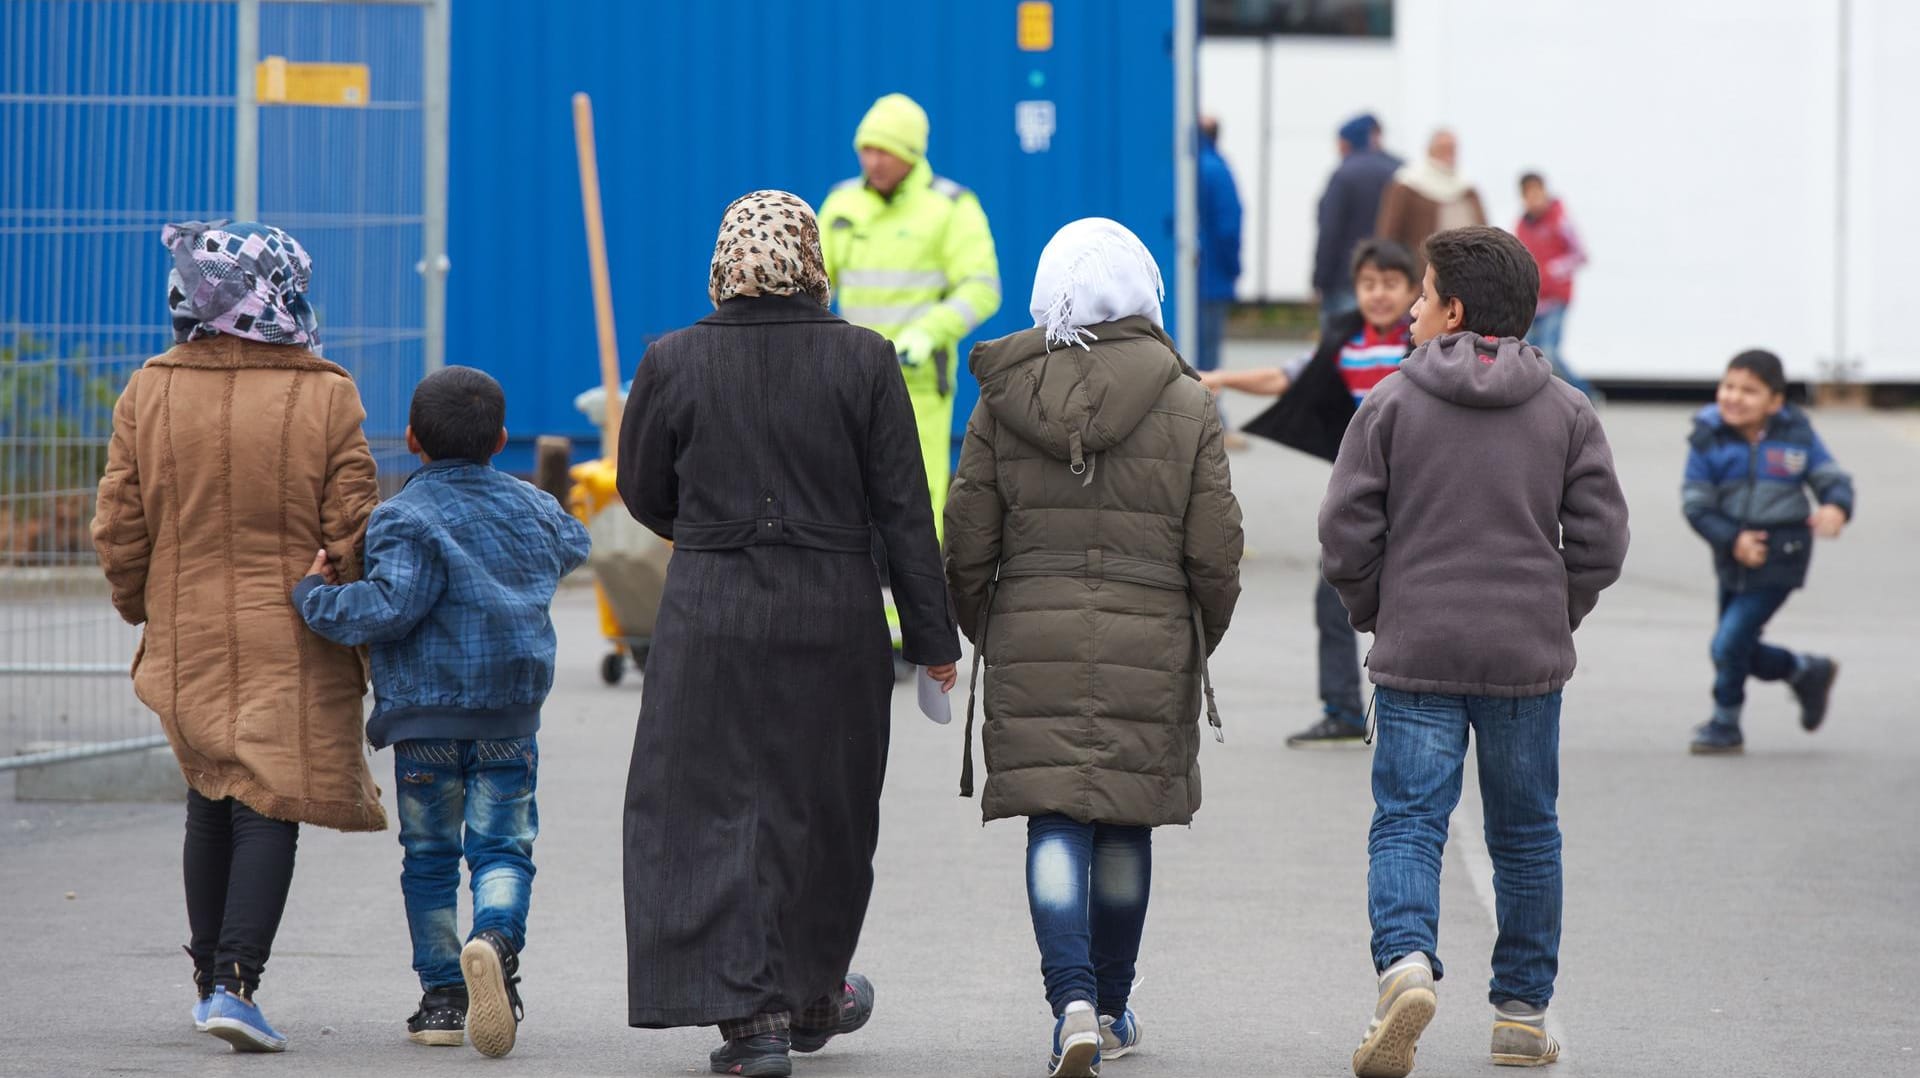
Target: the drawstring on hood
(1478, 372)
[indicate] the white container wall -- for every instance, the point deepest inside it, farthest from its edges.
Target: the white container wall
(1729, 193)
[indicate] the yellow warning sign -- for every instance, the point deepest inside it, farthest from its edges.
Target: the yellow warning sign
(1036, 26)
(278, 81)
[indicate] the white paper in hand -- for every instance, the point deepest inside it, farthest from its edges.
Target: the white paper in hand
(934, 704)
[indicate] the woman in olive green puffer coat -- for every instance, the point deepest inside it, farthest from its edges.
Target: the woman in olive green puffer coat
(1093, 550)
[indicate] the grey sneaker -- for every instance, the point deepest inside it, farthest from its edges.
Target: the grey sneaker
(1520, 1037)
(1406, 1006)
(1119, 1036)
(1076, 1043)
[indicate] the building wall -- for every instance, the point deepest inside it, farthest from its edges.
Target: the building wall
(698, 103)
(1699, 147)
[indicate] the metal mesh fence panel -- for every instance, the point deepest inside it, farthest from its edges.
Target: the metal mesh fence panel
(117, 116)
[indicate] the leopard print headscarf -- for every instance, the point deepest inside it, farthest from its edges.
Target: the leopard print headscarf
(769, 246)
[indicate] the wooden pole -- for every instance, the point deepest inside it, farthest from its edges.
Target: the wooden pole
(602, 285)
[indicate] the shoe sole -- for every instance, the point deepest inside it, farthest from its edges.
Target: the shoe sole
(1716, 750)
(1388, 1051)
(1833, 675)
(243, 1037)
(1500, 1060)
(439, 1038)
(490, 1022)
(758, 1068)
(1077, 1058)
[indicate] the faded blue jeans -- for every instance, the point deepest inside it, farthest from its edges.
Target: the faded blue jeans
(476, 798)
(1087, 887)
(1418, 761)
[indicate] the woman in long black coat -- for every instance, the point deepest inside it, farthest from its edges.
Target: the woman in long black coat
(769, 442)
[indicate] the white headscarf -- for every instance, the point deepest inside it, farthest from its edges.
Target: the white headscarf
(1093, 271)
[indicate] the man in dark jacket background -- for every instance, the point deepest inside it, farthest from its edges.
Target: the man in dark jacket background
(1507, 520)
(1347, 212)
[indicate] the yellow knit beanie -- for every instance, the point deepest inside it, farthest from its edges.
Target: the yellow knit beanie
(897, 125)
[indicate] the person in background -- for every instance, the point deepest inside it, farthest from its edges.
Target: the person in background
(1093, 553)
(1473, 518)
(910, 256)
(1750, 462)
(1348, 210)
(235, 455)
(1428, 197)
(1219, 252)
(1549, 236)
(462, 565)
(1319, 392)
(770, 443)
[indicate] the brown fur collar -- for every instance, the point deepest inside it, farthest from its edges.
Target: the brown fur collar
(227, 352)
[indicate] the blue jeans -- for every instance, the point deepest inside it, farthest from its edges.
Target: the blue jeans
(1549, 322)
(1417, 764)
(1738, 652)
(485, 788)
(1087, 887)
(1213, 335)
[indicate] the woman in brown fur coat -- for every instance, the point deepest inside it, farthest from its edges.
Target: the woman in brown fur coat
(236, 456)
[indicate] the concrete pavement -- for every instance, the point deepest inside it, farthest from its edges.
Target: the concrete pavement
(1748, 916)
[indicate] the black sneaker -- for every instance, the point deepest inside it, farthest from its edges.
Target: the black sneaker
(1813, 688)
(854, 1008)
(763, 1055)
(442, 1018)
(1332, 732)
(492, 971)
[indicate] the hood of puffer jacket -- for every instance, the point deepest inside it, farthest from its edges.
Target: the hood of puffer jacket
(1478, 372)
(1070, 399)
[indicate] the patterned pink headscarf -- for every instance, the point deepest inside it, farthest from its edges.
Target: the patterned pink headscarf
(246, 279)
(769, 246)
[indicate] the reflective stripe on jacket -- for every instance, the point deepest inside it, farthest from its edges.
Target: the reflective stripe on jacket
(923, 259)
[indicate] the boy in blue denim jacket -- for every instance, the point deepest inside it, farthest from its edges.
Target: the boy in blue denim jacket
(1751, 461)
(461, 567)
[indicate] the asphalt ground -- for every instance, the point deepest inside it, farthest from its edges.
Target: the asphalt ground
(1743, 916)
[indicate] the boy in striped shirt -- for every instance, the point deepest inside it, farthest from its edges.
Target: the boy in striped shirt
(1319, 393)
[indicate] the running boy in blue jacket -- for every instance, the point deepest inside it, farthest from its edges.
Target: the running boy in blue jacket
(1752, 461)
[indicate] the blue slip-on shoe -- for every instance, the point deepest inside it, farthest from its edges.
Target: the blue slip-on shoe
(200, 1009)
(1076, 1043)
(238, 1021)
(1717, 739)
(1118, 1036)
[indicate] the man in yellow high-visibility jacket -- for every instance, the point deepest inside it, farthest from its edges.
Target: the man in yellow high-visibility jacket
(910, 257)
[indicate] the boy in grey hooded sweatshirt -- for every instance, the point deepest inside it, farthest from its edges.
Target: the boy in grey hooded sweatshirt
(1471, 522)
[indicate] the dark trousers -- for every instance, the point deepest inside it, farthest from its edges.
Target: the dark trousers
(238, 866)
(1339, 656)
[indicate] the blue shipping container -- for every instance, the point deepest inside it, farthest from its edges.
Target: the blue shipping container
(696, 104)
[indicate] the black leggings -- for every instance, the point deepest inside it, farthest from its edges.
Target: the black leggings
(238, 866)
